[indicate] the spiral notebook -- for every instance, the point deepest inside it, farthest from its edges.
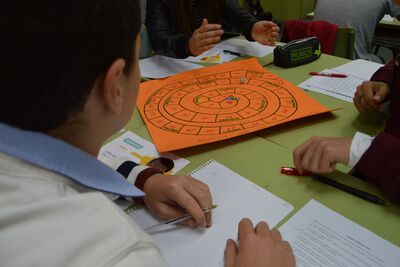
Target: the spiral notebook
(236, 198)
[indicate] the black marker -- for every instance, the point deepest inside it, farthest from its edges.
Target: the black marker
(232, 53)
(355, 192)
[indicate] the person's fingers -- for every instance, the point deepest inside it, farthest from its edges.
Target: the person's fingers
(274, 34)
(189, 222)
(298, 154)
(230, 253)
(268, 24)
(327, 161)
(209, 41)
(287, 245)
(308, 155)
(205, 48)
(245, 228)
(276, 235)
(262, 228)
(204, 22)
(189, 203)
(356, 103)
(211, 34)
(357, 99)
(315, 163)
(201, 192)
(209, 27)
(368, 96)
(381, 92)
(166, 211)
(203, 198)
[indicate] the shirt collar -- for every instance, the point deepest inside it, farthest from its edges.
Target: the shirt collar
(58, 156)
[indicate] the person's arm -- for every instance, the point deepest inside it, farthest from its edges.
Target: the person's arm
(380, 165)
(169, 196)
(263, 32)
(372, 94)
(241, 20)
(158, 24)
(385, 74)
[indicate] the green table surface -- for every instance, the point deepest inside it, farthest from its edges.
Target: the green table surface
(258, 157)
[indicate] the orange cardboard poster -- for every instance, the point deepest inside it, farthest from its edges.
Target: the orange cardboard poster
(219, 102)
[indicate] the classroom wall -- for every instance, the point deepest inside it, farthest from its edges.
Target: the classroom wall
(289, 9)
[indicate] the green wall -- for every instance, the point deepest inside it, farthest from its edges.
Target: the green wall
(288, 9)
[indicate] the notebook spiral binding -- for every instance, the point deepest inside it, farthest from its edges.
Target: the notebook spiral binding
(131, 208)
(201, 167)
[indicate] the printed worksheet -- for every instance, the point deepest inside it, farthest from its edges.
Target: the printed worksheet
(322, 237)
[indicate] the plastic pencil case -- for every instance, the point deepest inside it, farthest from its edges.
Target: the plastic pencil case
(297, 52)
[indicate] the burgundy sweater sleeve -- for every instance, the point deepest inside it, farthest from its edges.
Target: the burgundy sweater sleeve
(385, 74)
(380, 165)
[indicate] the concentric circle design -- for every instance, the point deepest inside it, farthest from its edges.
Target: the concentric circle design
(218, 104)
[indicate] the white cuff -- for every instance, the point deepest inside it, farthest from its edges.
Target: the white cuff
(135, 172)
(360, 143)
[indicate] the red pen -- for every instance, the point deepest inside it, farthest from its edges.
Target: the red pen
(333, 75)
(294, 171)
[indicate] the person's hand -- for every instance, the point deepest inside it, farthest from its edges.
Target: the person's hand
(370, 96)
(205, 37)
(259, 247)
(171, 196)
(265, 32)
(320, 154)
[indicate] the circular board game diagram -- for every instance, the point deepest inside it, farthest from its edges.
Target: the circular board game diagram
(221, 103)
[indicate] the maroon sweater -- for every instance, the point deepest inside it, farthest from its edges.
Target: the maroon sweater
(380, 164)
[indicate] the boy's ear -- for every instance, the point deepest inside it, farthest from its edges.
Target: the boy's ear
(112, 88)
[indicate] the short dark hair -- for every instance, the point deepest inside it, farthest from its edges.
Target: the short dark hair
(52, 51)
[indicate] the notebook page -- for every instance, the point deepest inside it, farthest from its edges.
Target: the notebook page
(321, 237)
(236, 198)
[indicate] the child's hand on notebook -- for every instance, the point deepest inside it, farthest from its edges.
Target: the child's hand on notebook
(258, 247)
(171, 196)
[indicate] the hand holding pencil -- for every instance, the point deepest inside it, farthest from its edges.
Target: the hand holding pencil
(172, 196)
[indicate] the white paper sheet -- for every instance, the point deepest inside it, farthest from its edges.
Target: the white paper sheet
(236, 198)
(215, 55)
(138, 150)
(160, 67)
(342, 88)
(322, 237)
(245, 47)
(359, 68)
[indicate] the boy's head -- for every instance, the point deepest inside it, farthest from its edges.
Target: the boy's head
(62, 58)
